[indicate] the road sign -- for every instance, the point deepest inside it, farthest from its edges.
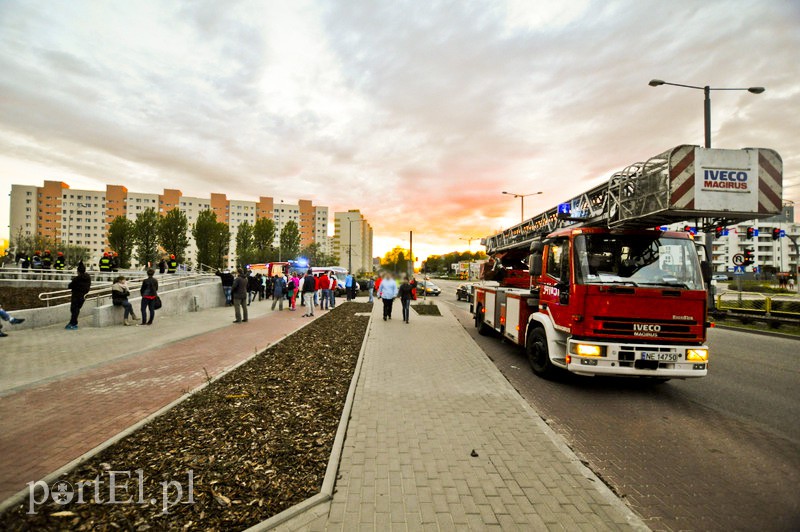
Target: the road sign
(738, 270)
(738, 260)
(782, 233)
(755, 232)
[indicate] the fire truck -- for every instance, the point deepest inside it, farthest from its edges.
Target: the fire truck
(598, 285)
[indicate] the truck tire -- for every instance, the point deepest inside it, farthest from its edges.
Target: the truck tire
(483, 329)
(538, 353)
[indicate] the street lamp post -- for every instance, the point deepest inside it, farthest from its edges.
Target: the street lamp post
(469, 240)
(350, 245)
(522, 202)
(708, 224)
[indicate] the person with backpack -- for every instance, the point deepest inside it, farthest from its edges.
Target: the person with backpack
(406, 295)
(149, 293)
(119, 298)
(278, 291)
(239, 295)
(80, 286)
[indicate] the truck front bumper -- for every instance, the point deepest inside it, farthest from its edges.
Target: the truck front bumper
(636, 360)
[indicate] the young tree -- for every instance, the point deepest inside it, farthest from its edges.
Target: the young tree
(172, 229)
(244, 244)
(146, 231)
(221, 242)
(395, 259)
(121, 238)
(290, 241)
(263, 239)
(206, 233)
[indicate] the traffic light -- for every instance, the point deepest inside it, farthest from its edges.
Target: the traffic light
(748, 257)
(719, 231)
(776, 234)
(751, 231)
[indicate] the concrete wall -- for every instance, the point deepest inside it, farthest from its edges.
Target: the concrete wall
(101, 313)
(174, 302)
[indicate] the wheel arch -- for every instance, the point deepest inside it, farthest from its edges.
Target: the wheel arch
(556, 340)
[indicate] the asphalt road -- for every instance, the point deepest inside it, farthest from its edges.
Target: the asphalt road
(717, 453)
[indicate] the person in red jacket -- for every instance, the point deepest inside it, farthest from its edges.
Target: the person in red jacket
(378, 280)
(325, 291)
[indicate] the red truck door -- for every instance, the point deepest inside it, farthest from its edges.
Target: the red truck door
(555, 282)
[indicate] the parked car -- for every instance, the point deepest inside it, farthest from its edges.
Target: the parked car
(464, 291)
(719, 277)
(428, 288)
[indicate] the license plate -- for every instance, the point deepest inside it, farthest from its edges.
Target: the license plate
(661, 357)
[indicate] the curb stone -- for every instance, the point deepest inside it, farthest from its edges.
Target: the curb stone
(318, 505)
(52, 477)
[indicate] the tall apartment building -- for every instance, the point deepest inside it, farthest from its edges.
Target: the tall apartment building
(82, 217)
(352, 240)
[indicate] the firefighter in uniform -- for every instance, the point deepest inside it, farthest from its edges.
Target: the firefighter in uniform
(60, 262)
(115, 261)
(47, 260)
(36, 262)
(105, 263)
(172, 264)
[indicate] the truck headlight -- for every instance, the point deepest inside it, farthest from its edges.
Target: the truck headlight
(588, 350)
(696, 355)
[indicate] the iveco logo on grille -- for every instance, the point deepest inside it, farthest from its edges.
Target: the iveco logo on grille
(646, 329)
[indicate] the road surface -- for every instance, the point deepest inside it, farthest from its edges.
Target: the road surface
(717, 453)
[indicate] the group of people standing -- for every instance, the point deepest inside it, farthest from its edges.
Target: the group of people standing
(41, 261)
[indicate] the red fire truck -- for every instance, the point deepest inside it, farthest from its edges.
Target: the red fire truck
(610, 290)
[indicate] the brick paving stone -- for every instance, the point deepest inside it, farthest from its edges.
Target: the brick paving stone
(45, 424)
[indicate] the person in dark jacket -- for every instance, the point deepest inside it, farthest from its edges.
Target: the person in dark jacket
(105, 262)
(47, 260)
(119, 297)
(278, 291)
(406, 295)
(253, 287)
(80, 286)
(227, 285)
(149, 293)
(172, 264)
(61, 262)
(162, 266)
(239, 294)
(309, 289)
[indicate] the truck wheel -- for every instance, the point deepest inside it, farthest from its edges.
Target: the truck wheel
(538, 354)
(483, 329)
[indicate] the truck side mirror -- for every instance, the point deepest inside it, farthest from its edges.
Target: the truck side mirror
(535, 265)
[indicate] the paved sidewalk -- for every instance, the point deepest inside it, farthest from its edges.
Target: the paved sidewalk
(426, 397)
(107, 379)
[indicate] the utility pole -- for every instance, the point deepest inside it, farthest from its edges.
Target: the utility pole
(410, 269)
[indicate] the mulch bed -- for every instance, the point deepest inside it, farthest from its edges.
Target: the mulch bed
(15, 298)
(257, 441)
(427, 309)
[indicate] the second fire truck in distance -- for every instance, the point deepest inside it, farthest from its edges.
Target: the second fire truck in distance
(598, 286)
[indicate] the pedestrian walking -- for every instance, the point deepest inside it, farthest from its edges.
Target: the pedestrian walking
(325, 291)
(80, 286)
(5, 316)
(239, 295)
(309, 288)
(378, 282)
(387, 293)
(334, 286)
(406, 295)
(349, 284)
(253, 287)
(227, 283)
(149, 291)
(413, 283)
(119, 298)
(278, 291)
(371, 289)
(316, 290)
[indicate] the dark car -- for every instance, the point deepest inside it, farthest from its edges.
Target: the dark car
(464, 291)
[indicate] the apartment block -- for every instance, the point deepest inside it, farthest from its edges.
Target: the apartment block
(82, 217)
(352, 240)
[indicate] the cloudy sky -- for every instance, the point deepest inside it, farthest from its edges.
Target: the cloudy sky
(418, 113)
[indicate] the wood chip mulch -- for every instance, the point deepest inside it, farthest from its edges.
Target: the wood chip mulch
(257, 441)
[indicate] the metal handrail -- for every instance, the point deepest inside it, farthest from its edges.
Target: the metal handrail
(105, 289)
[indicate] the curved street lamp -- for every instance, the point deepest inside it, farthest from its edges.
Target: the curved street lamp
(522, 201)
(707, 102)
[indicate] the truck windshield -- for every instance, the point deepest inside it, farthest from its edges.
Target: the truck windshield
(637, 260)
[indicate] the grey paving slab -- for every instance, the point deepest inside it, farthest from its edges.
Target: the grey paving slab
(427, 397)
